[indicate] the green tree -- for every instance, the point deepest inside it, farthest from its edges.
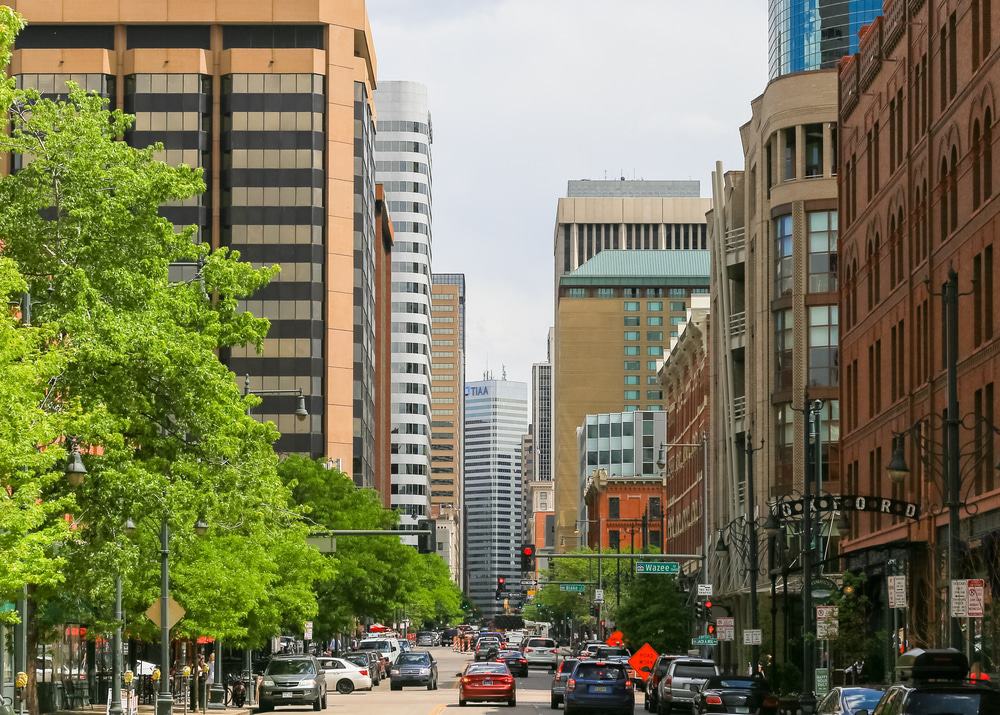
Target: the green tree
(654, 613)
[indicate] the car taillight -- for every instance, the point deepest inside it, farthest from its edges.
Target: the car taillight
(571, 684)
(713, 700)
(364, 672)
(522, 660)
(629, 685)
(770, 702)
(529, 650)
(668, 680)
(466, 679)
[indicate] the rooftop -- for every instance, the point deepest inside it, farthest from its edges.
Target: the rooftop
(654, 267)
(622, 188)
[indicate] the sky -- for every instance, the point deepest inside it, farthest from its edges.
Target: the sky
(526, 94)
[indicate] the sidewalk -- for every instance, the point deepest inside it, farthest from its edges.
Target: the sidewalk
(150, 709)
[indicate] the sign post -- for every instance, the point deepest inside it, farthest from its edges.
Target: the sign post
(959, 598)
(752, 636)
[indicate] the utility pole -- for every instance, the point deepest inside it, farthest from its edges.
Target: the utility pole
(752, 523)
(949, 298)
(807, 699)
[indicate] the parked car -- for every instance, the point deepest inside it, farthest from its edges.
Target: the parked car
(486, 682)
(848, 701)
(293, 680)
(417, 667)
(599, 685)
(655, 674)
(675, 687)
(344, 675)
(735, 694)
(515, 660)
(404, 645)
(427, 639)
(558, 688)
(542, 652)
(387, 648)
(934, 681)
(368, 659)
(484, 648)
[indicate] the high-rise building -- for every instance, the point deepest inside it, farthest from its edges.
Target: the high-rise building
(384, 240)
(919, 197)
(496, 416)
(403, 166)
(527, 469)
(814, 34)
(541, 413)
(614, 315)
(273, 100)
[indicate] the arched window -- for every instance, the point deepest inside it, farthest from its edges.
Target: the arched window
(915, 230)
(925, 230)
(988, 154)
(900, 245)
(892, 249)
(877, 268)
(976, 158)
(953, 189)
(870, 275)
(854, 291)
(944, 199)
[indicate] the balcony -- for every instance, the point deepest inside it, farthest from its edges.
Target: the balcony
(739, 414)
(738, 331)
(735, 242)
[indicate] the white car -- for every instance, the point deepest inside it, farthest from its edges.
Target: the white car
(344, 675)
(542, 652)
(388, 648)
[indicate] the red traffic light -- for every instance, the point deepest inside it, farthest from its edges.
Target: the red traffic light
(528, 550)
(501, 579)
(711, 629)
(708, 604)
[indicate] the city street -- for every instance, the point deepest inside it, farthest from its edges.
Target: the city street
(532, 695)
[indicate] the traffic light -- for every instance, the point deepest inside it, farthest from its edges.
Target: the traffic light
(527, 557)
(427, 543)
(710, 629)
(708, 610)
(501, 583)
(699, 611)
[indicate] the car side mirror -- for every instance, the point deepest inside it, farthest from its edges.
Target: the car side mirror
(458, 675)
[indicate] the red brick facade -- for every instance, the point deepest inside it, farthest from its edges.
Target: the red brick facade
(918, 196)
(615, 508)
(383, 349)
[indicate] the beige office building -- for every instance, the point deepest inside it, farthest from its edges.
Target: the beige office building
(614, 315)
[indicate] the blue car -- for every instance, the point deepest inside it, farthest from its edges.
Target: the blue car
(599, 686)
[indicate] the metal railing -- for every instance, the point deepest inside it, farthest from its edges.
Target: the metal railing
(735, 239)
(739, 407)
(737, 324)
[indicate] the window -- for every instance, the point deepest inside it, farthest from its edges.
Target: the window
(824, 362)
(783, 340)
(631, 379)
(952, 56)
(614, 539)
(576, 292)
(654, 320)
(875, 378)
(605, 292)
(814, 150)
(655, 350)
(632, 365)
(654, 508)
(783, 255)
(897, 362)
(631, 394)
(982, 292)
(788, 163)
(678, 307)
(822, 251)
(631, 321)
(654, 305)
(651, 365)
(654, 335)
(988, 154)
(631, 350)
(654, 394)
(614, 508)
(631, 306)
(631, 334)
(784, 448)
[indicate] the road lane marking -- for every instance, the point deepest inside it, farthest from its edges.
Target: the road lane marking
(439, 709)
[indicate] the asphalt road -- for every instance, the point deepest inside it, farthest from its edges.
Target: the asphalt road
(532, 695)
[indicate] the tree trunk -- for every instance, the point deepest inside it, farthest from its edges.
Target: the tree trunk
(31, 692)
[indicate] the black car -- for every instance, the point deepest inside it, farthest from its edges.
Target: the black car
(848, 701)
(934, 681)
(515, 660)
(370, 660)
(735, 694)
(416, 667)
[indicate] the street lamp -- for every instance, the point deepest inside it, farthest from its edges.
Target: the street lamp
(301, 413)
(897, 469)
(76, 471)
(772, 527)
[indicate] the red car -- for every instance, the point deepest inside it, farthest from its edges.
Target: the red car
(487, 682)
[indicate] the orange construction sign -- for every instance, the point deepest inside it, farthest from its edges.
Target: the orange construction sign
(645, 657)
(616, 639)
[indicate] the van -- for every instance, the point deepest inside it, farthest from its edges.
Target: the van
(387, 648)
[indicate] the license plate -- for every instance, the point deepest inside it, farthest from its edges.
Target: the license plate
(287, 695)
(487, 682)
(600, 689)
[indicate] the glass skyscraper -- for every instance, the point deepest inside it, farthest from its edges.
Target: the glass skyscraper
(814, 34)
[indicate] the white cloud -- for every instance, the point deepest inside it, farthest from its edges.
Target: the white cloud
(526, 94)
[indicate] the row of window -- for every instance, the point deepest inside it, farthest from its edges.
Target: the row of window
(396, 125)
(286, 234)
(273, 122)
(273, 159)
(650, 394)
(418, 147)
(634, 293)
(273, 196)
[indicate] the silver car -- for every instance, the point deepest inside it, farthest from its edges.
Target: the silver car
(542, 652)
(293, 680)
(683, 678)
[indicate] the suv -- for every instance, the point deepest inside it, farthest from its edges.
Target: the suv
(542, 652)
(675, 686)
(558, 688)
(653, 678)
(293, 680)
(934, 681)
(387, 648)
(416, 667)
(599, 685)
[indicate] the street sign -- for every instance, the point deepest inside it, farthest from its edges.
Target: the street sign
(828, 630)
(959, 598)
(751, 636)
(704, 589)
(308, 629)
(725, 628)
(705, 640)
(976, 588)
(667, 567)
(572, 587)
(827, 613)
(645, 657)
(529, 582)
(175, 612)
(598, 595)
(324, 543)
(897, 591)
(822, 682)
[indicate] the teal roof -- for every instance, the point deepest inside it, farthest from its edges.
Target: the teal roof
(646, 267)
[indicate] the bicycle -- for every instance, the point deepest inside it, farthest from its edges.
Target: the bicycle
(236, 690)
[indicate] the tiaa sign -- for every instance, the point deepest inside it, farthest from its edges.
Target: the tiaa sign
(477, 391)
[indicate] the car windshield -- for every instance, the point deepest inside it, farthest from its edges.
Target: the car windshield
(599, 671)
(985, 702)
(862, 699)
(361, 660)
(694, 671)
(497, 668)
(374, 645)
(735, 683)
(510, 654)
(413, 659)
(290, 666)
(611, 652)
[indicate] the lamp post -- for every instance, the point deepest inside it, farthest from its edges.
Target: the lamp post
(807, 698)
(300, 405)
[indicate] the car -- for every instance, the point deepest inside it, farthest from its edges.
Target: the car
(655, 674)
(486, 682)
(344, 675)
(293, 680)
(848, 701)
(735, 694)
(368, 659)
(427, 639)
(542, 652)
(675, 687)
(404, 645)
(387, 648)
(934, 681)
(484, 647)
(515, 660)
(558, 688)
(417, 667)
(588, 649)
(600, 686)
(617, 654)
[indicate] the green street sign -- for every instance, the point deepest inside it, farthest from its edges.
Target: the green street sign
(572, 587)
(705, 640)
(7, 607)
(822, 681)
(667, 567)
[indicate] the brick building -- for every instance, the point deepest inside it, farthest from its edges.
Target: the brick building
(917, 105)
